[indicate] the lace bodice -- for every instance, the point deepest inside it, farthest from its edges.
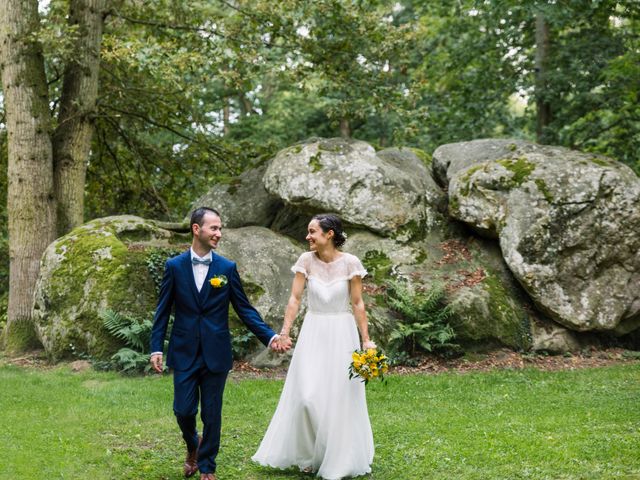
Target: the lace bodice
(328, 283)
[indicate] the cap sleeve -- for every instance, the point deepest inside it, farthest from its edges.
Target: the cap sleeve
(302, 265)
(355, 267)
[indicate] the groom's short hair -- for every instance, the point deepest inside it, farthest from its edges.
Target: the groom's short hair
(198, 214)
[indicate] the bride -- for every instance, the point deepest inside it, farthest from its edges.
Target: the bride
(321, 423)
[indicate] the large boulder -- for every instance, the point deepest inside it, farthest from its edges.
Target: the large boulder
(567, 224)
(449, 159)
(242, 201)
(386, 192)
(116, 263)
(488, 304)
(111, 263)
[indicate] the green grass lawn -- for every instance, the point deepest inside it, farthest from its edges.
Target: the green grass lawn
(584, 424)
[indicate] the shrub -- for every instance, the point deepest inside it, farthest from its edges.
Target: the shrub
(136, 336)
(423, 322)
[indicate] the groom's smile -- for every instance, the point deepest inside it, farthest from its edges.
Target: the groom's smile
(208, 235)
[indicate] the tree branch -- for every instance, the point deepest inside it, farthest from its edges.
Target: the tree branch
(215, 150)
(168, 26)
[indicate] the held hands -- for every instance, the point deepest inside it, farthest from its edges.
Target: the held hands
(156, 362)
(281, 343)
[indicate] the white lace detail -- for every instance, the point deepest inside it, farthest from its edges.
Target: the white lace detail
(345, 267)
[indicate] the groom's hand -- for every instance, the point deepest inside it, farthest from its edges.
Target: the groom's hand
(275, 344)
(156, 362)
(281, 344)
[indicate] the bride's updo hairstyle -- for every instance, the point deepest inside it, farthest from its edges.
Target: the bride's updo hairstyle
(329, 221)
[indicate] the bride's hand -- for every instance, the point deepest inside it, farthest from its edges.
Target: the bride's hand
(369, 344)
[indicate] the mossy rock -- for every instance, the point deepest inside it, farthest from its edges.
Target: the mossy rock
(489, 306)
(567, 223)
(105, 264)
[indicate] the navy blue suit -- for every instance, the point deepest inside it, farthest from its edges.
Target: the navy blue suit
(200, 344)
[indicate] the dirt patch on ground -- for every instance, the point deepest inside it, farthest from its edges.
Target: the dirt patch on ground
(428, 365)
(481, 362)
(507, 359)
(31, 359)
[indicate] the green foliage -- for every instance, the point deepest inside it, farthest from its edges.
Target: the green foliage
(378, 265)
(128, 360)
(135, 334)
(243, 342)
(212, 88)
(423, 324)
(132, 332)
(156, 259)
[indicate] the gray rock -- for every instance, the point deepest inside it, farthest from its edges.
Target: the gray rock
(486, 300)
(292, 222)
(553, 338)
(101, 265)
(264, 261)
(567, 223)
(385, 193)
(242, 201)
(451, 158)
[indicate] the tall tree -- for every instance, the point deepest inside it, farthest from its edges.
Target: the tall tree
(72, 138)
(46, 169)
(30, 196)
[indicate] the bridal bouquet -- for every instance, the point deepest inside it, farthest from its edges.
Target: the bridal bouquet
(368, 364)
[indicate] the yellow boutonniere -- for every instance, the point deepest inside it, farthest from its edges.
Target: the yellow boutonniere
(218, 281)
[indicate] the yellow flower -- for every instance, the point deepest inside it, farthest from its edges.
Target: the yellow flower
(368, 364)
(218, 281)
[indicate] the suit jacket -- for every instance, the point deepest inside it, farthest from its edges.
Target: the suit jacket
(201, 322)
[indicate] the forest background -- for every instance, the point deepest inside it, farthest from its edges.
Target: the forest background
(145, 105)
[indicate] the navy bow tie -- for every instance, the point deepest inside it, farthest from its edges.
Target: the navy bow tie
(199, 261)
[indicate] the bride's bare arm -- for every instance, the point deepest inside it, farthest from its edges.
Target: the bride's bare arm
(293, 304)
(359, 312)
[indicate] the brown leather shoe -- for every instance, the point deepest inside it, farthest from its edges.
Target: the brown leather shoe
(190, 466)
(208, 476)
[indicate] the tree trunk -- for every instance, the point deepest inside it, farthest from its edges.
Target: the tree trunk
(30, 195)
(543, 107)
(345, 128)
(72, 138)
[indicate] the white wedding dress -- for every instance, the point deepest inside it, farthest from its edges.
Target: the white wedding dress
(321, 422)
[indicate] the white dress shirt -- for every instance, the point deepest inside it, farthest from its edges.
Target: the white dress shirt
(200, 270)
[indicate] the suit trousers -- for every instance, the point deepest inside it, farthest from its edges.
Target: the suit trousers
(198, 384)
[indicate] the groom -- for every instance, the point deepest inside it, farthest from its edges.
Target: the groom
(200, 285)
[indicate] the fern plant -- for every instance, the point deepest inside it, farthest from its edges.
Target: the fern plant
(424, 321)
(135, 334)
